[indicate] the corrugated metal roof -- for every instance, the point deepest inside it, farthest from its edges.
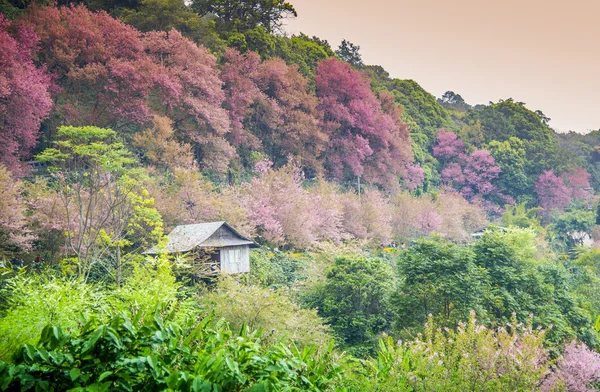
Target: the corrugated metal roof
(184, 238)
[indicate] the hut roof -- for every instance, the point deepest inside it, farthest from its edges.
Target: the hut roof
(184, 238)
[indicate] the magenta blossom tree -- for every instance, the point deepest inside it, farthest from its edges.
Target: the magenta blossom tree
(578, 181)
(415, 175)
(448, 145)
(24, 95)
(473, 175)
(365, 136)
(552, 192)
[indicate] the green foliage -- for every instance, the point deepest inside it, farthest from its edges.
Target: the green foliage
(267, 310)
(105, 204)
(441, 279)
(126, 354)
(471, 358)
(420, 108)
(571, 227)
(521, 216)
(510, 156)
(277, 269)
(587, 149)
(508, 119)
(350, 53)
(355, 299)
(304, 51)
(524, 286)
(241, 16)
(164, 15)
(37, 300)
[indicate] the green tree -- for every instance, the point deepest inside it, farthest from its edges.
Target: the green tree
(510, 156)
(438, 278)
(109, 214)
(349, 53)
(354, 300)
(164, 15)
(241, 16)
(572, 227)
(524, 286)
(521, 216)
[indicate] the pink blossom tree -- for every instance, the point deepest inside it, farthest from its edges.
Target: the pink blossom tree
(364, 137)
(99, 63)
(448, 145)
(188, 83)
(479, 171)
(578, 181)
(577, 370)
(13, 224)
(239, 73)
(24, 95)
(473, 175)
(368, 216)
(552, 192)
(279, 207)
(299, 133)
(415, 175)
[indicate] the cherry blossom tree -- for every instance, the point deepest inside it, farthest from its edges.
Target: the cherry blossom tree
(188, 83)
(448, 145)
(578, 181)
(415, 175)
(479, 172)
(24, 95)
(474, 174)
(239, 73)
(364, 137)
(280, 208)
(14, 233)
(552, 192)
(298, 133)
(99, 63)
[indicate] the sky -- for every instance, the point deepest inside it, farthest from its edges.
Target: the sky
(544, 53)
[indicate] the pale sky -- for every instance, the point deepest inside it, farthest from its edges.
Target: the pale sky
(541, 52)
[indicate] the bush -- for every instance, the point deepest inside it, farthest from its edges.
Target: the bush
(37, 300)
(578, 370)
(472, 358)
(265, 309)
(355, 298)
(126, 354)
(276, 269)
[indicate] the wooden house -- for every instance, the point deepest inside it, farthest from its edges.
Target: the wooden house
(215, 245)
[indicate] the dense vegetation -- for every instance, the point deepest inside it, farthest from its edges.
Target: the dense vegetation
(408, 243)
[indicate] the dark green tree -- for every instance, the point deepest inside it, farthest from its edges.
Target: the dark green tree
(439, 278)
(164, 15)
(355, 301)
(241, 15)
(349, 53)
(510, 156)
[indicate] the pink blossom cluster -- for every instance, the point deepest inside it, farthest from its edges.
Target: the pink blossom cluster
(576, 371)
(473, 174)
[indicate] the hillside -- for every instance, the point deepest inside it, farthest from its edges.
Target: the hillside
(391, 223)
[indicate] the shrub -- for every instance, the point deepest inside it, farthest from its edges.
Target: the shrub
(472, 358)
(34, 301)
(127, 354)
(265, 309)
(578, 370)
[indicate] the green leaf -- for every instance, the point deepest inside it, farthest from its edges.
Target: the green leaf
(74, 373)
(104, 375)
(199, 385)
(91, 343)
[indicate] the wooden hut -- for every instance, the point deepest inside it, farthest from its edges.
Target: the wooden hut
(215, 245)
